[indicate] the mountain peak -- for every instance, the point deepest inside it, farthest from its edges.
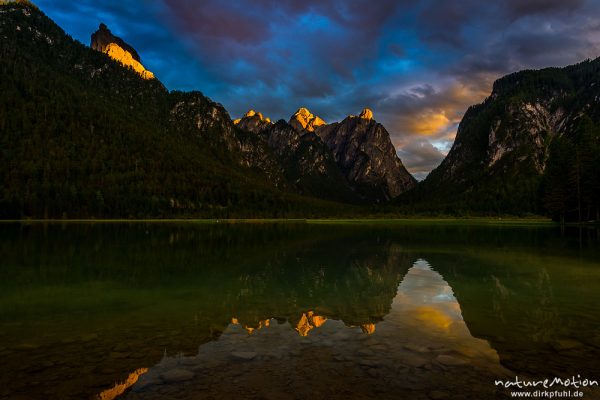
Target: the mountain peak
(367, 157)
(103, 37)
(304, 112)
(303, 119)
(253, 121)
(366, 113)
(104, 41)
(251, 113)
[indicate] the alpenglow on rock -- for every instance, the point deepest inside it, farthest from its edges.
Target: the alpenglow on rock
(307, 162)
(366, 114)
(363, 150)
(253, 121)
(305, 120)
(104, 41)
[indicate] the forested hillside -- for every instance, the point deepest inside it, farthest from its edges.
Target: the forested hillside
(82, 136)
(532, 147)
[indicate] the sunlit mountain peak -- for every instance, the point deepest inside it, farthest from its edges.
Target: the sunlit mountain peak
(104, 41)
(303, 119)
(366, 113)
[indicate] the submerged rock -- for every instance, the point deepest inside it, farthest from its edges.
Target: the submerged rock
(244, 355)
(177, 375)
(449, 360)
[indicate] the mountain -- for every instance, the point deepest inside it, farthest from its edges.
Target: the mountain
(353, 160)
(253, 122)
(532, 146)
(307, 162)
(104, 41)
(304, 120)
(89, 132)
(364, 152)
(82, 136)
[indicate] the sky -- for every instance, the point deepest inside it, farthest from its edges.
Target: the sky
(417, 64)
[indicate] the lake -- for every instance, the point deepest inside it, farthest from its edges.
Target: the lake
(296, 310)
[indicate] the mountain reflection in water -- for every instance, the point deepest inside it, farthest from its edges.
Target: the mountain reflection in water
(325, 310)
(422, 338)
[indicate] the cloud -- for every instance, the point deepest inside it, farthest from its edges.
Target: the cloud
(425, 110)
(520, 8)
(420, 157)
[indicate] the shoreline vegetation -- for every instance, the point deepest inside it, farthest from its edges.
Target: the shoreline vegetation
(372, 220)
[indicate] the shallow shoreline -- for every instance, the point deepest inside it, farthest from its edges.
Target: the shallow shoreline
(378, 221)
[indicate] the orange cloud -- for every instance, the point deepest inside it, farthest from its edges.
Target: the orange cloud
(429, 123)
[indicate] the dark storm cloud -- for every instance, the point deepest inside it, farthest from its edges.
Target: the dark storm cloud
(521, 8)
(418, 65)
(420, 157)
(444, 21)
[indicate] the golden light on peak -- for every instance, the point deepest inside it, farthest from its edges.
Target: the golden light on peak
(366, 113)
(307, 120)
(124, 57)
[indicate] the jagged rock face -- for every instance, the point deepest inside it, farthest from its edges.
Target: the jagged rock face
(195, 114)
(502, 145)
(367, 157)
(520, 135)
(104, 37)
(253, 121)
(366, 114)
(192, 113)
(538, 119)
(308, 162)
(104, 41)
(510, 131)
(305, 120)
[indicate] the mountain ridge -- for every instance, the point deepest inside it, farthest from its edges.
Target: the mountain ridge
(499, 160)
(365, 153)
(88, 137)
(104, 41)
(362, 150)
(82, 134)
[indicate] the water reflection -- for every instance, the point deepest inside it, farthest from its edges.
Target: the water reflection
(423, 335)
(83, 305)
(426, 307)
(120, 388)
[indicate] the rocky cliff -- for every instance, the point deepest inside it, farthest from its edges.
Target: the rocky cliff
(115, 145)
(499, 159)
(363, 150)
(104, 41)
(307, 162)
(356, 153)
(253, 121)
(304, 120)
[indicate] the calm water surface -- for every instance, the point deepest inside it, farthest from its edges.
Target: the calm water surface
(294, 310)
